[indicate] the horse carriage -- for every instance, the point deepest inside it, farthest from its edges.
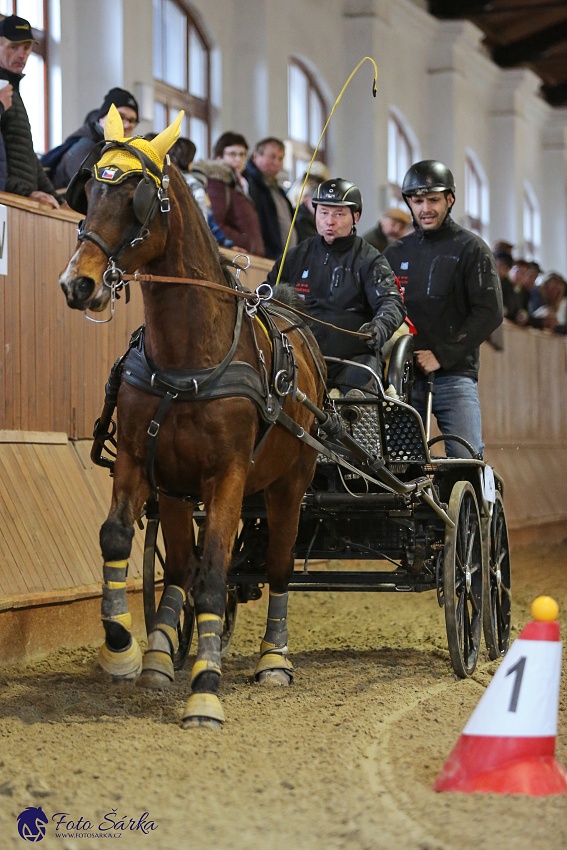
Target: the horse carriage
(228, 440)
(379, 496)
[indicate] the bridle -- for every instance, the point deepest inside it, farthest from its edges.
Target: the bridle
(150, 196)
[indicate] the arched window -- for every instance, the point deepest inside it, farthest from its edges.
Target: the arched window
(476, 197)
(33, 87)
(307, 113)
(401, 154)
(532, 224)
(182, 72)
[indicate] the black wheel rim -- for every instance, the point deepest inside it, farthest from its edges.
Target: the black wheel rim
(498, 605)
(462, 580)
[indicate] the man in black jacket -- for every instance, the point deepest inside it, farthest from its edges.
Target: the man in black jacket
(25, 174)
(345, 282)
(453, 297)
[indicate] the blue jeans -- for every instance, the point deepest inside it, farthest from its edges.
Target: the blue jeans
(456, 408)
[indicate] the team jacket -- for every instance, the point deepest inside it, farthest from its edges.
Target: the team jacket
(347, 284)
(451, 291)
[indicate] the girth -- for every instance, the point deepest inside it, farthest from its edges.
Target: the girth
(237, 379)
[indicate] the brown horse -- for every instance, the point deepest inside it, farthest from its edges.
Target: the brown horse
(210, 446)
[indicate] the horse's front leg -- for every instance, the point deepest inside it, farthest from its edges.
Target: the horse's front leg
(120, 655)
(223, 514)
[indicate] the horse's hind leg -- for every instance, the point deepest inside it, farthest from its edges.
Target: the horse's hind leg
(274, 667)
(163, 641)
(283, 503)
(223, 514)
(120, 655)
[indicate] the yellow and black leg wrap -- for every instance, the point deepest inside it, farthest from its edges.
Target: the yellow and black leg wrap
(163, 640)
(205, 705)
(120, 654)
(274, 645)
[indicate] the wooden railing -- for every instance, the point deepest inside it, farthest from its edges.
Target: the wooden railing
(55, 364)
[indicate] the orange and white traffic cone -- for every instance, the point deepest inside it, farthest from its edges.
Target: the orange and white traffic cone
(508, 745)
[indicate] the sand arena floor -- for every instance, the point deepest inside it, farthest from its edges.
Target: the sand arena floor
(344, 759)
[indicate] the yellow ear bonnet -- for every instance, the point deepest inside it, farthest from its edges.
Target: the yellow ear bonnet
(117, 164)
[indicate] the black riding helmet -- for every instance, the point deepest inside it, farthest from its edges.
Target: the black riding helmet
(337, 192)
(429, 175)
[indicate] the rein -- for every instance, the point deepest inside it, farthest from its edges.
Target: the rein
(256, 297)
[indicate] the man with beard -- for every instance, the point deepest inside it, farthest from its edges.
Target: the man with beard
(453, 297)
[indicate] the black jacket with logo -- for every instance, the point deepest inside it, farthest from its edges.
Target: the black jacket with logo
(346, 284)
(451, 291)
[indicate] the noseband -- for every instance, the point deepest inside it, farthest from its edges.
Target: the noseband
(150, 194)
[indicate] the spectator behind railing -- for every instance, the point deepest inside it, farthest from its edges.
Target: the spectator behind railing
(305, 226)
(274, 209)
(552, 314)
(25, 175)
(182, 154)
(233, 208)
(5, 103)
(515, 293)
(390, 227)
(62, 163)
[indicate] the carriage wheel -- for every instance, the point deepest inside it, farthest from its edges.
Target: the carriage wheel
(186, 624)
(497, 597)
(463, 579)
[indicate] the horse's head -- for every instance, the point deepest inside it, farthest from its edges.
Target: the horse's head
(122, 190)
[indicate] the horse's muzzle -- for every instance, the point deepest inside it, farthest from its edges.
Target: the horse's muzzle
(78, 291)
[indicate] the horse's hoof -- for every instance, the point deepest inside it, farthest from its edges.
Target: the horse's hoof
(274, 670)
(201, 723)
(274, 678)
(157, 670)
(203, 711)
(124, 665)
(154, 680)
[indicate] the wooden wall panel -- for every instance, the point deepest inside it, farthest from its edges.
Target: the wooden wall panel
(53, 369)
(52, 504)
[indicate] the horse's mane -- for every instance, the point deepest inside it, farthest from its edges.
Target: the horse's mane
(283, 292)
(181, 187)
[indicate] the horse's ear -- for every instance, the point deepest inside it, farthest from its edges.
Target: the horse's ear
(164, 140)
(113, 127)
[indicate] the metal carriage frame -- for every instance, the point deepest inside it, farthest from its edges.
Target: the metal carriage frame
(378, 495)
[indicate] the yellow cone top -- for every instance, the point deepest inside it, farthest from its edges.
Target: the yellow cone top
(544, 609)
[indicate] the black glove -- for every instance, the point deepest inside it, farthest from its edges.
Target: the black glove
(377, 339)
